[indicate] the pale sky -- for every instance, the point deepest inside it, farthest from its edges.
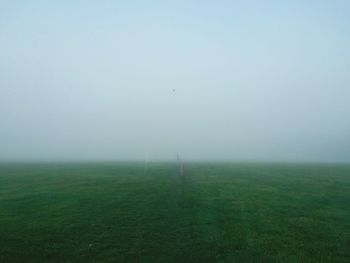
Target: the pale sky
(211, 80)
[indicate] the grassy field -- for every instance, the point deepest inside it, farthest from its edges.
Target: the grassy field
(215, 213)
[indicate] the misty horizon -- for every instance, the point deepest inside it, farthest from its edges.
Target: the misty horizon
(222, 81)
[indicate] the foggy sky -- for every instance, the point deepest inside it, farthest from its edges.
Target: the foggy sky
(211, 80)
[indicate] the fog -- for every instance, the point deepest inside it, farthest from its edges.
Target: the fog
(210, 80)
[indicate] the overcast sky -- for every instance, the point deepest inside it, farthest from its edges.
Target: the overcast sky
(211, 80)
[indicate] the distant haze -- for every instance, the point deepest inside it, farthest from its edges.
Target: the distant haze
(210, 80)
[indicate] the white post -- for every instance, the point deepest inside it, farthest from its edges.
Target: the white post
(146, 163)
(181, 165)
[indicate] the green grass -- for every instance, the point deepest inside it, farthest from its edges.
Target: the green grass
(215, 213)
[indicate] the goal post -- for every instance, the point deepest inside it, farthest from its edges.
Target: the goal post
(180, 165)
